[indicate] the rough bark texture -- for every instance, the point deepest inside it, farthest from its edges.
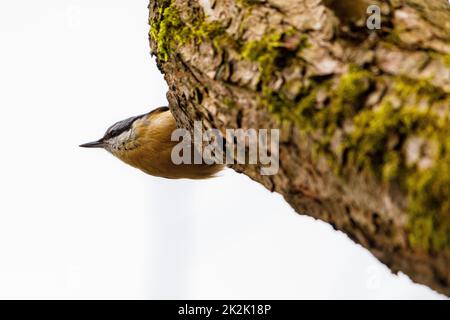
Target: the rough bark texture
(364, 115)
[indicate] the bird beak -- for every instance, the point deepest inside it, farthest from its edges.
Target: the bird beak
(95, 144)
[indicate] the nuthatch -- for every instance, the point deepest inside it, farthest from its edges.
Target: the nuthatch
(145, 142)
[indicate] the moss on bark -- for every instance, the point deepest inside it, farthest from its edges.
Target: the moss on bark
(364, 118)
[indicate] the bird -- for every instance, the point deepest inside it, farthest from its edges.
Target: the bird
(145, 143)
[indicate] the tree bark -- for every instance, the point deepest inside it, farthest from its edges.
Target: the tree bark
(364, 114)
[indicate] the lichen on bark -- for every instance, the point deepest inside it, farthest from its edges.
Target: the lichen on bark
(364, 114)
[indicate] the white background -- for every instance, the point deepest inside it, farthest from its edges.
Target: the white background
(77, 223)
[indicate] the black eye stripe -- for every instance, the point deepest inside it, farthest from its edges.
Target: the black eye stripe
(125, 125)
(121, 127)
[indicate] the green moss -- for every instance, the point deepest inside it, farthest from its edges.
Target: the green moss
(377, 140)
(371, 139)
(352, 87)
(393, 38)
(272, 54)
(170, 31)
(267, 49)
(378, 143)
(346, 100)
(246, 3)
(271, 51)
(429, 206)
(230, 103)
(306, 112)
(447, 60)
(406, 88)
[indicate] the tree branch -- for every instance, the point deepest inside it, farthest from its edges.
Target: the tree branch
(364, 115)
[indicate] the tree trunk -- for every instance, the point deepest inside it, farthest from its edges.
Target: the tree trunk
(364, 114)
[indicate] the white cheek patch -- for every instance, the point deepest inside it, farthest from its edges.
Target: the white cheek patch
(122, 140)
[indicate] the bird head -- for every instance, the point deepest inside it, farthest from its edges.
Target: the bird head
(120, 137)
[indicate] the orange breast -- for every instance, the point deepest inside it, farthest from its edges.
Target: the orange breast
(154, 148)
